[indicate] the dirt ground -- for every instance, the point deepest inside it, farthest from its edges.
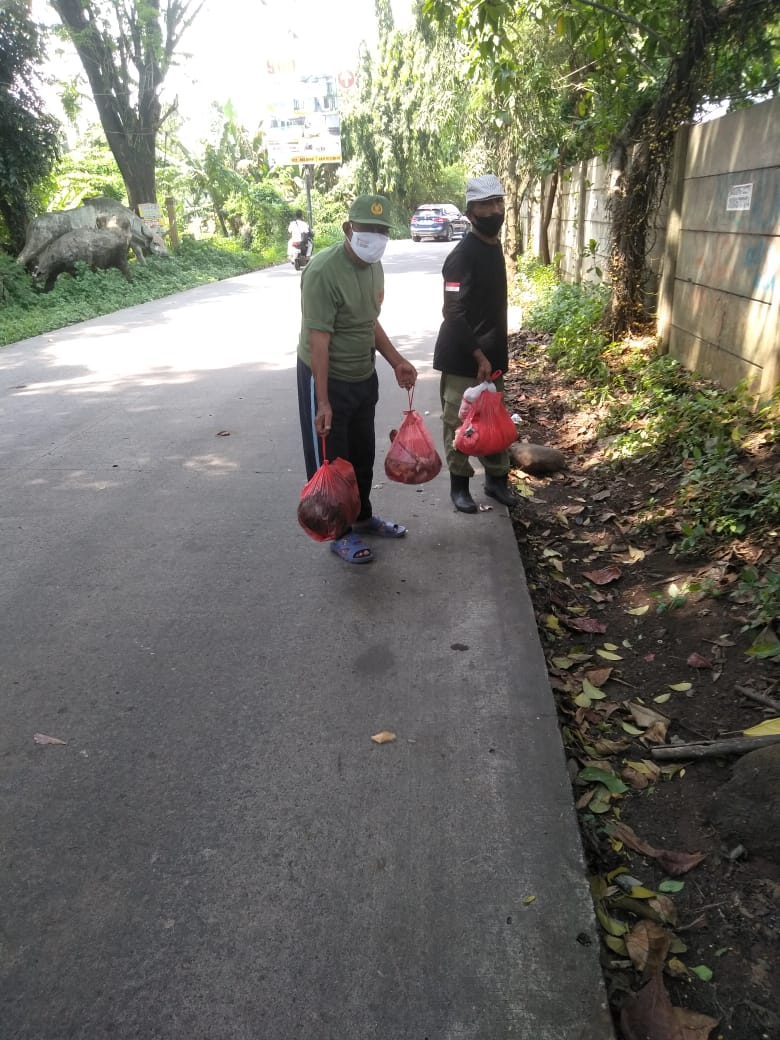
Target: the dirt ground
(658, 626)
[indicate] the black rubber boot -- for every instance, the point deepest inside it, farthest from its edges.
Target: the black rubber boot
(498, 488)
(459, 493)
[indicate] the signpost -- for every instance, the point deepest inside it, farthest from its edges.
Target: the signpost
(304, 126)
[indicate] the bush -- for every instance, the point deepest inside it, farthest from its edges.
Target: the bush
(27, 312)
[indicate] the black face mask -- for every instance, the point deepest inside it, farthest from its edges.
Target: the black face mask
(488, 226)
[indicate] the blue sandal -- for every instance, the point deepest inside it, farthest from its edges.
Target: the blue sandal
(382, 528)
(352, 549)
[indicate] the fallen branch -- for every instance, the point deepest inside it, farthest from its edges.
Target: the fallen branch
(714, 748)
(759, 698)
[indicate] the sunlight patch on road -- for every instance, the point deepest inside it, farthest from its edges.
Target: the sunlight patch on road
(214, 465)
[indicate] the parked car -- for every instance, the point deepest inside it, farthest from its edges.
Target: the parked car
(439, 221)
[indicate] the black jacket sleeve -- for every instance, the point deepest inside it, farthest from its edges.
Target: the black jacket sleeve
(459, 291)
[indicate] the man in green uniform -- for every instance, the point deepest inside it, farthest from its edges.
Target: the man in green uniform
(342, 290)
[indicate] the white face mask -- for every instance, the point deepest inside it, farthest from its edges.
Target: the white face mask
(368, 246)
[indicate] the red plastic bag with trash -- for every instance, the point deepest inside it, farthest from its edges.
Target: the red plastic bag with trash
(412, 458)
(487, 427)
(330, 501)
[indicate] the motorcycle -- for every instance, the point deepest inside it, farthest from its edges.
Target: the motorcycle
(301, 251)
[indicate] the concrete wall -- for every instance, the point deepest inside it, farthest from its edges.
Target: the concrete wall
(715, 248)
(726, 289)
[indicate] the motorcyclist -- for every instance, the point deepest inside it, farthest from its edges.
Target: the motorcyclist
(296, 229)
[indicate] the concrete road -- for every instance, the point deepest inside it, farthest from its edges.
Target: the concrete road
(218, 851)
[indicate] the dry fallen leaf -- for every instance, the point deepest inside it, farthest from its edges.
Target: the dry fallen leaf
(649, 1014)
(603, 576)
(41, 738)
(644, 716)
(385, 737)
(598, 676)
(655, 734)
(674, 863)
(697, 661)
(585, 624)
(648, 945)
(694, 1025)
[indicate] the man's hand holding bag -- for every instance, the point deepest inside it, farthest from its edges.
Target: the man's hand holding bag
(330, 502)
(487, 427)
(412, 458)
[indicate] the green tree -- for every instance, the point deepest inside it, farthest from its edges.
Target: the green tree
(627, 78)
(30, 138)
(85, 170)
(126, 48)
(401, 132)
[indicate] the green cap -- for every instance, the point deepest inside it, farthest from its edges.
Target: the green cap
(371, 209)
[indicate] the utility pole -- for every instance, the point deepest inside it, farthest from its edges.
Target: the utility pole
(308, 195)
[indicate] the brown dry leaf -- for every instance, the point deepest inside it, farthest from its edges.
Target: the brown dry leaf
(665, 908)
(585, 624)
(603, 576)
(674, 863)
(585, 799)
(611, 747)
(41, 738)
(644, 716)
(639, 781)
(622, 832)
(655, 734)
(695, 1026)
(649, 1014)
(598, 676)
(697, 661)
(648, 945)
(385, 737)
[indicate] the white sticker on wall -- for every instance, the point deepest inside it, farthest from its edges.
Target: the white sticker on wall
(739, 197)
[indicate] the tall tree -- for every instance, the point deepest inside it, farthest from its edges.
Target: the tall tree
(404, 126)
(30, 137)
(126, 48)
(633, 74)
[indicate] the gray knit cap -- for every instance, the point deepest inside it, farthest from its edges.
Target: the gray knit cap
(486, 187)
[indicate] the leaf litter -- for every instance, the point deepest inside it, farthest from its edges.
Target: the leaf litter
(660, 619)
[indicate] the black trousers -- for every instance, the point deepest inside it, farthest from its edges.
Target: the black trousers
(352, 433)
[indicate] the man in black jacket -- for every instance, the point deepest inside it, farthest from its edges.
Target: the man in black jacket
(472, 341)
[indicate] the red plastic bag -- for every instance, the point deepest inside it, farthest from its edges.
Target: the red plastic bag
(412, 458)
(487, 427)
(330, 502)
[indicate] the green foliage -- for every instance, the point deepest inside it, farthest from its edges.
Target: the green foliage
(564, 304)
(86, 170)
(758, 588)
(572, 313)
(29, 136)
(709, 439)
(565, 79)
(16, 289)
(403, 132)
(24, 312)
(126, 50)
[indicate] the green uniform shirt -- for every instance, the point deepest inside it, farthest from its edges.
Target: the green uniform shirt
(343, 299)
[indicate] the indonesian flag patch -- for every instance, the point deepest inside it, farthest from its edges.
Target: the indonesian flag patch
(452, 286)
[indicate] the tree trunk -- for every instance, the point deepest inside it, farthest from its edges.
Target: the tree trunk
(131, 132)
(16, 218)
(512, 200)
(641, 169)
(547, 212)
(137, 166)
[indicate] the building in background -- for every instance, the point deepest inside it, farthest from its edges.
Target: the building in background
(303, 125)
